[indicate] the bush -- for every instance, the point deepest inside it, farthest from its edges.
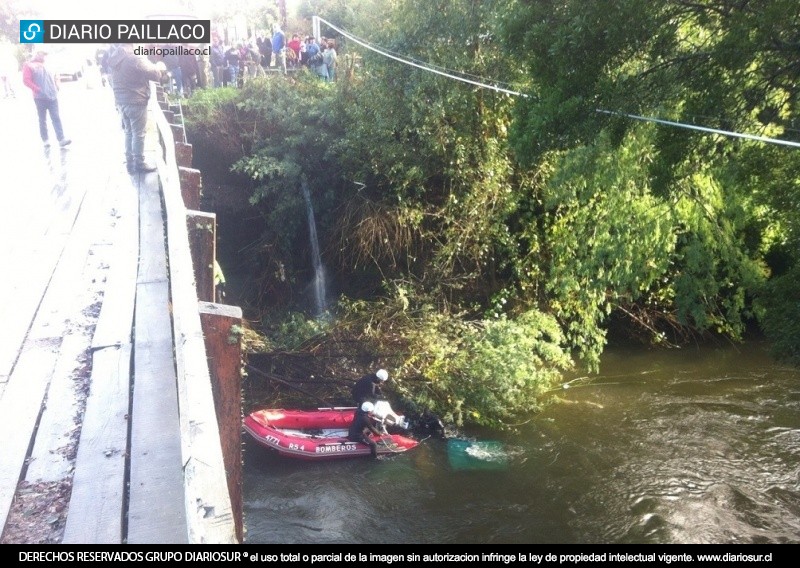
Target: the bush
(780, 301)
(487, 372)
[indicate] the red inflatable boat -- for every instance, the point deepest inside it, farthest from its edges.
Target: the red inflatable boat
(320, 434)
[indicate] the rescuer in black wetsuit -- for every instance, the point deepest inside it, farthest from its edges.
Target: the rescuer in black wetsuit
(368, 387)
(362, 426)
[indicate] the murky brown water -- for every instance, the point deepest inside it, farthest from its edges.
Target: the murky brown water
(690, 446)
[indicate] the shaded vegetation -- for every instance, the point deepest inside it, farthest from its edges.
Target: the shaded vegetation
(478, 241)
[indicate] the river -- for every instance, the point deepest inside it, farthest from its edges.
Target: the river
(680, 446)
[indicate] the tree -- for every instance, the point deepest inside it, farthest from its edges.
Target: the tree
(718, 63)
(11, 12)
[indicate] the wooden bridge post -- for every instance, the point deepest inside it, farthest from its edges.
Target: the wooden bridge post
(221, 326)
(191, 186)
(183, 154)
(202, 229)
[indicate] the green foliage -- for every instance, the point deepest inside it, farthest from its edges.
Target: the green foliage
(511, 230)
(212, 121)
(611, 241)
(716, 271)
(718, 63)
(272, 132)
(781, 319)
(435, 150)
(704, 211)
(618, 246)
(489, 372)
(208, 108)
(288, 127)
(294, 330)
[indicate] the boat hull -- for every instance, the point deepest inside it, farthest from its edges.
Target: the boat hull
(316, 435)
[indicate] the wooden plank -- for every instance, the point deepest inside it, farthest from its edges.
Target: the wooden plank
(156, 474)
(50, 459)
(202, 229)
(110, 215)
(178, 131)
(222, 332)
(156, 462)
(22, 303)
(36, 256)
(116, 317)
(153, 256)
(23, 398)
(97, 504)
(19, 412)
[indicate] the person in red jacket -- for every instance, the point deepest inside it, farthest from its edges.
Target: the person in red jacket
(295, 45)
(44, 87)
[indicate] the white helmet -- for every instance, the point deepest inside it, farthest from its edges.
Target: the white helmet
(367, 407)
(383, 374)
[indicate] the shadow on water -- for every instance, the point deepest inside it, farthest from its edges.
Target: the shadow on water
(697, 446)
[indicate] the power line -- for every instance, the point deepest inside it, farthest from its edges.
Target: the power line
(704, 129)
(419, 66)
(449, 75)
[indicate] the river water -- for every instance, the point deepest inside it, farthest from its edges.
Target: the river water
(681, 446)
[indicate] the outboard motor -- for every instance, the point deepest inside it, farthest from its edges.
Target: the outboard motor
(383, 411)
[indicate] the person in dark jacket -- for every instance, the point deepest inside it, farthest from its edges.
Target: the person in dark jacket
(265, 49)
(130, 80)
(190, 69)
(173, 63)
(368, 387)
(232, 60)
(218, 63)
(363, 426)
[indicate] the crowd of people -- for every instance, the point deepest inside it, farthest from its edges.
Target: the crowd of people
(180, 68)
(235, 64)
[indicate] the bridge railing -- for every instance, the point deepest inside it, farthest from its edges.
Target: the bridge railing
(212, 516)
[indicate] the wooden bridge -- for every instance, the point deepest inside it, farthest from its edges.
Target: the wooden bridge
(120, 407)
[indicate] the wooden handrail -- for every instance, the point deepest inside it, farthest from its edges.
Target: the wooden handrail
(208, 504)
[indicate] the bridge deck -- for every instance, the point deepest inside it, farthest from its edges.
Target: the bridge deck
(88, 396)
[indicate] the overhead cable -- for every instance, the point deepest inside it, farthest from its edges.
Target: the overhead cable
(519, 94)
(705, 129)
(423, 67)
